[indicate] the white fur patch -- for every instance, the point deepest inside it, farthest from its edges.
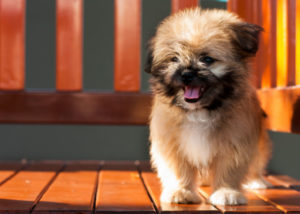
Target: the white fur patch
(219, 70)
(195, 143)
(227, 196)
(257, 184)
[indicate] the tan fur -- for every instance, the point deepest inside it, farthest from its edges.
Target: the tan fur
(190, 143)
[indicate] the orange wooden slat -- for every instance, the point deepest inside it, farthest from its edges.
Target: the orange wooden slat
(69, 35)
(73, 190)
(121, 190)
(291, 27)
(154, 187)
(297, 43)
(177, 5)
(7, 170)
(281, 42)
(127, 45)
(254, 205)
(21, 192)
(268, 44)
(250, 11)
(243, 8)
(258, 60)
(284, 180)
(282, 107)
(285, 35)
(12, 44)
(285, 199)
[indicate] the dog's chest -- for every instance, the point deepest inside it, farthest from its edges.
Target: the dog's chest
(196, 141)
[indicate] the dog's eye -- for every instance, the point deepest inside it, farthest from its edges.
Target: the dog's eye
(174, 59)
(208, 60)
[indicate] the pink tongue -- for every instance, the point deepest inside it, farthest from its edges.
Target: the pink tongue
(191, 92)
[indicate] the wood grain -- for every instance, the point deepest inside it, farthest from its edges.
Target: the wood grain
(284, 180)
(12, 44)
(21, 192)
(291, 52)
(73, 190)
(69, 35)
(153, 185)
(75, 108)
(282, 107)
(127, 45)
(282, 43)
(254, 205)
(177, 5)
(121, 190)
(287, 200)
(297, 43)
(268, 44)
(8, 170)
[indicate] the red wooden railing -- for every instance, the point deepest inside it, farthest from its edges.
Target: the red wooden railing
(12, 44)
(276, 67)
(69, 35)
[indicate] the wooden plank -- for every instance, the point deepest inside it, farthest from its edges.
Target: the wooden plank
(258, 61)
(291, 28)
(287, 200)
(72, 191)
(243, 8)
(75, 108)
(127, 45)
(254, 205)
(21, 192)
(284, 180)
(8, 170)
(297, 43)
(154, 188)
(177, 5)
(250, 11)
(282, 107)
(268, 44)
(121, 190)
(69, 44)
(281, 42)
(12, 44)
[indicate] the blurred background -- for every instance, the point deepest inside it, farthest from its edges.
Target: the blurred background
(73, 142)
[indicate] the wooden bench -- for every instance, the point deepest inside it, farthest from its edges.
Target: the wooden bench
(130, 187)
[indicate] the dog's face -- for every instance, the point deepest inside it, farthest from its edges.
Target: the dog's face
(198, 59)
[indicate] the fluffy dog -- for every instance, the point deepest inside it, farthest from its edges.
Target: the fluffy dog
(206, 122)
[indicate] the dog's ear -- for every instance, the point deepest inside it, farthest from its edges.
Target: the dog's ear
(246, 38)
(148, 66)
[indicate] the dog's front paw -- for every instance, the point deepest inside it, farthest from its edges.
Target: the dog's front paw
(227, 196)
(181, 196)
(259, 183)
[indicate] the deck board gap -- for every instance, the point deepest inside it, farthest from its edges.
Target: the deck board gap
(270, 201)
(22, 167)
(96, 188)
(145, 186)
(44, 190)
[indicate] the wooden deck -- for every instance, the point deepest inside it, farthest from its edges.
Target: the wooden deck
(118, 187)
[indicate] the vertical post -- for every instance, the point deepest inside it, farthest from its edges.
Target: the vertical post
(69, 35)
(268, 44)
(285, 42)
(127, 45)
(182, 4)
(297, 42)
(12, 44)
(291, 28)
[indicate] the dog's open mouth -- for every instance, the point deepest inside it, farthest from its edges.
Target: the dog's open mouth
(193, 94)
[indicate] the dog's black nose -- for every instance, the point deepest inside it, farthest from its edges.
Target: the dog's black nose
(187, 77)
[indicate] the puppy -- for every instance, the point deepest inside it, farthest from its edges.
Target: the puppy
(206, 125)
